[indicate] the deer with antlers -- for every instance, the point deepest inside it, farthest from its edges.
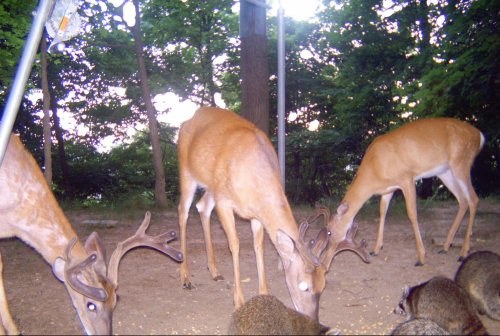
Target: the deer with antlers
(442, 147)
(29, 211)
(236, 165)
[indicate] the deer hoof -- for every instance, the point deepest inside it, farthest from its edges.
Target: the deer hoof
(373, 254)
(419, 263)
(219, 278)
(443, 251)
(460, 259)
(187, 285)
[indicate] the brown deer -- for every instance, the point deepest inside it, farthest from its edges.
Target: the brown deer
(29, 211)
(442, 147)
(237, 166)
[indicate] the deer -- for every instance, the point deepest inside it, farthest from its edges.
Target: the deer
(30, 212)
(237, 166)
(442, 147)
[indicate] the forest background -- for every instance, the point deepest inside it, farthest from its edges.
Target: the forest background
(355, 70)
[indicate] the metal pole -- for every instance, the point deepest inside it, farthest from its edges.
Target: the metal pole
(281, 91)
(23, 71)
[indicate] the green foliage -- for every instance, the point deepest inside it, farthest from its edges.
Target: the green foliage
(15, 23)
(357, 70)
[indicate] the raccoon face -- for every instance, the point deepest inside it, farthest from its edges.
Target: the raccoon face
(401, 309)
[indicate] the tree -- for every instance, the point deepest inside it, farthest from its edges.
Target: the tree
(254, 66)
(160, 196)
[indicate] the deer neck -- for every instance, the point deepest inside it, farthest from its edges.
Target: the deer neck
(48, 231)
(279, 216)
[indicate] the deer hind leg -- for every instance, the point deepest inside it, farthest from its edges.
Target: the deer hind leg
(226, 217)
(205, 206)
(461, 188)
(188, 189)
(258, 246)
(411, 210)
(7, 322)
(384, 205)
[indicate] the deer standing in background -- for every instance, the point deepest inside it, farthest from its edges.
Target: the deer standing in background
(237, 166)
(442, 147)
(29, 211)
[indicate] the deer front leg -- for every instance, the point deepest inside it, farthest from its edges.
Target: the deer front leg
(205, 206)
(226, 217)
(258, 246)
(7, 321)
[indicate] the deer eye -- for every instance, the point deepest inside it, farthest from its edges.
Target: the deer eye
(303, 286)
(91, 306)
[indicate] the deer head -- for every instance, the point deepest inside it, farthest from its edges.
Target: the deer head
(305, 287)
(92, 286)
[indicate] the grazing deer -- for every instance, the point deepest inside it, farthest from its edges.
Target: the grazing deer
(29, 211)
(237, 166)
(442, 147)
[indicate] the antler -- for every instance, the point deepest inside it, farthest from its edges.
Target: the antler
(313, 248)
(320, 210)
(71, 275)
(347, 244)
(140, 238)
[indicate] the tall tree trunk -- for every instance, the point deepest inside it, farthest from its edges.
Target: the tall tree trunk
(61, 152)
(160, 196)
(47, 143)
(254, 64)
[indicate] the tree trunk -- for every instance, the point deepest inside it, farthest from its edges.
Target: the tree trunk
(160, 196)
(61, 152)
(47, 151)
(254, 64)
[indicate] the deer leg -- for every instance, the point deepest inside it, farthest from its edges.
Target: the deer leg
(226, 217)
(205, 206)
(188, 189)
(411, 210)
(7, 322)
(473, 202)
(258, 246)
(461, 188)
(450, 181)
(384, 205)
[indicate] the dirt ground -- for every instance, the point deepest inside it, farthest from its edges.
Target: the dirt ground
(359, 298)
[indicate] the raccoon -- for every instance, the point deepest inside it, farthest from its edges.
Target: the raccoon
(266, 315)
(443, 301)
(419, 326)
(479, 275)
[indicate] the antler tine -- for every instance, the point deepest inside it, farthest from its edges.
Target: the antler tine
(140, 238)
(306, 247)
(320, 210)
(347, 244)
(72, 271)
(350, 244)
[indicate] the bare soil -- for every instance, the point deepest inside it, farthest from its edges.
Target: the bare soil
(359, 298)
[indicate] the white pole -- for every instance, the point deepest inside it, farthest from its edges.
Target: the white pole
(281, 92)
(23, 71)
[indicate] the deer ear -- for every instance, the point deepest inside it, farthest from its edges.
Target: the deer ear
(286, 248)
(58, 268)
